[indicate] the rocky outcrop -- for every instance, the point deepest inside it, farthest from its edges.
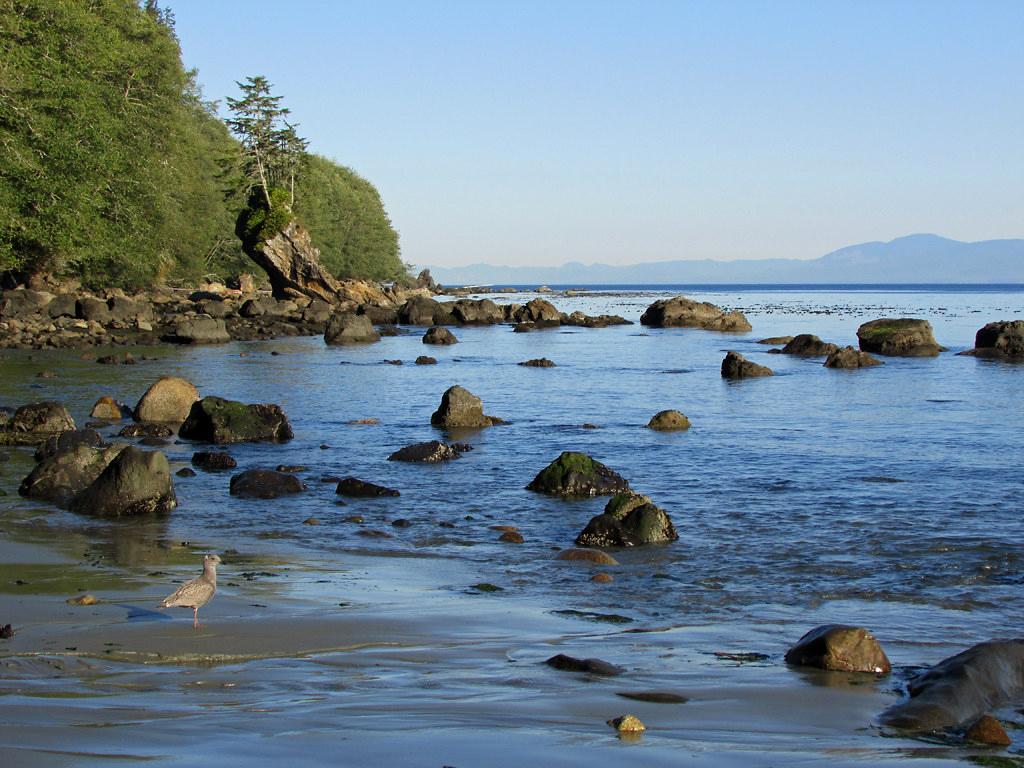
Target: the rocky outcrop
(959, 690)
(540, 312)
(849, 357)
(898, 337)
(736, 366)
(293, 265)
(354, 487)
(840, 648)
(681, 312)
(808, 345)
(215, 420)
(477, 312)
(439, 335)
(134, 483)
(425, 280)
(168, 399)
(349, 328)
(422, 310)
(629, 520)
(461, 409)
(33, 423)
(264, 484)
(60, 477)
(594, 321)
(429, 452)
(668, 421)
(1001, 340)
(575, 474)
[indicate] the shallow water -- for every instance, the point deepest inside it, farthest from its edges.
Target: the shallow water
(887, 497)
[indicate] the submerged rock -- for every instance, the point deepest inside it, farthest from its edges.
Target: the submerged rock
(959, 690)
(775, 340)
(460, 408)
(426, 360)
(668, 421)
(850, 358)
(168, 399)
(213, 460)
(264, 484)
(681, 312)
(540, 362)
(134, 483)
(351, 486)
(1001, 340)
(215, 420)
(575, 474)
(350, 328)
(736, 366)
(841, 648)
(595, 556)
(591, 666)
(898, 337)
(430, 452)
(629, 519)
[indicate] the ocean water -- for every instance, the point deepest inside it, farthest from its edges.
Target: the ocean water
(887, 497)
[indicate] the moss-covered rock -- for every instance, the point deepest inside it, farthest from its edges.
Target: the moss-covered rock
(899, 337)
(134, 483)
(629, 520)
(668, 421)
(461, 409)
(215, 420)
(576, 474)
(33, 423)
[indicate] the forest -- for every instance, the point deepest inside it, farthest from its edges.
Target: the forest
(115, 170)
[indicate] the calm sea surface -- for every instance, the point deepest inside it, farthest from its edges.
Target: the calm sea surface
(888, 497)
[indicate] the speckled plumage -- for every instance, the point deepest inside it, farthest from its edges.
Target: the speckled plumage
(196, 593)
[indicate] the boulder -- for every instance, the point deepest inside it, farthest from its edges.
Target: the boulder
(808, 345)
(594, 556)
(215, 420)
(134, 483)
(201, 329)
(898, 337)
(91, 309)
(168, 399)
(439, 335)
(668, 421)
(351, 486)
(987, 730)
(629, 520)
(841, 648)
(422, 310)
(591, 666)
(477, 312)
(363, 292)
(264, 484)
(849, 357)
(213, 460)
(539, 312)
(594, 321)
(430, 452)
(575, 474)
(293, 265)
(150, 429)
(108, 409)
(33, 423)
(736, 366)
(62, 476)
(23, 302)
(538, 362)
(774, 340)
(426, 360)
(460, 408)
(378, 315)
(350, 328)
(64, 305)
(1001, 340)
(66, 440)
(959, 690)
(681, 312)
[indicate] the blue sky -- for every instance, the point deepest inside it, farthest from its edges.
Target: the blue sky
(528, 133)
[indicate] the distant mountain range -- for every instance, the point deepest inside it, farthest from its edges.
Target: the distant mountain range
(911, 259)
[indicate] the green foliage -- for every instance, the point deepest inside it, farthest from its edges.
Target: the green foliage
(263, 217)
(347, 221)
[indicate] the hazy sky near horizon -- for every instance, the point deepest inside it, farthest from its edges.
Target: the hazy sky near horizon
(536, 132)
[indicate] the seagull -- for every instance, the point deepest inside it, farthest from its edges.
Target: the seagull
(196, 593)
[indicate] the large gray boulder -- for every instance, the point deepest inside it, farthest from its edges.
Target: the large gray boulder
(958, 690)
(33, 423)
(629, 520)
(575, 474)
(736, 366)
(839, 647)
(216, 420)
(1001, 340)
(350, 328)
(681, 312)
(460, 408)
(65, 474)
(134, 483)
(168, 399)
(201, 329)
(898, 337)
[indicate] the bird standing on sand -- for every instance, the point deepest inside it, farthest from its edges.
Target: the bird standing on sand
(196, 593)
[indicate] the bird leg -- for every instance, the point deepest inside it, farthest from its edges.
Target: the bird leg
(195, 618)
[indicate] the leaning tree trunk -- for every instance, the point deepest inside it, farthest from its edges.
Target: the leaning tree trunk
(293, 264)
